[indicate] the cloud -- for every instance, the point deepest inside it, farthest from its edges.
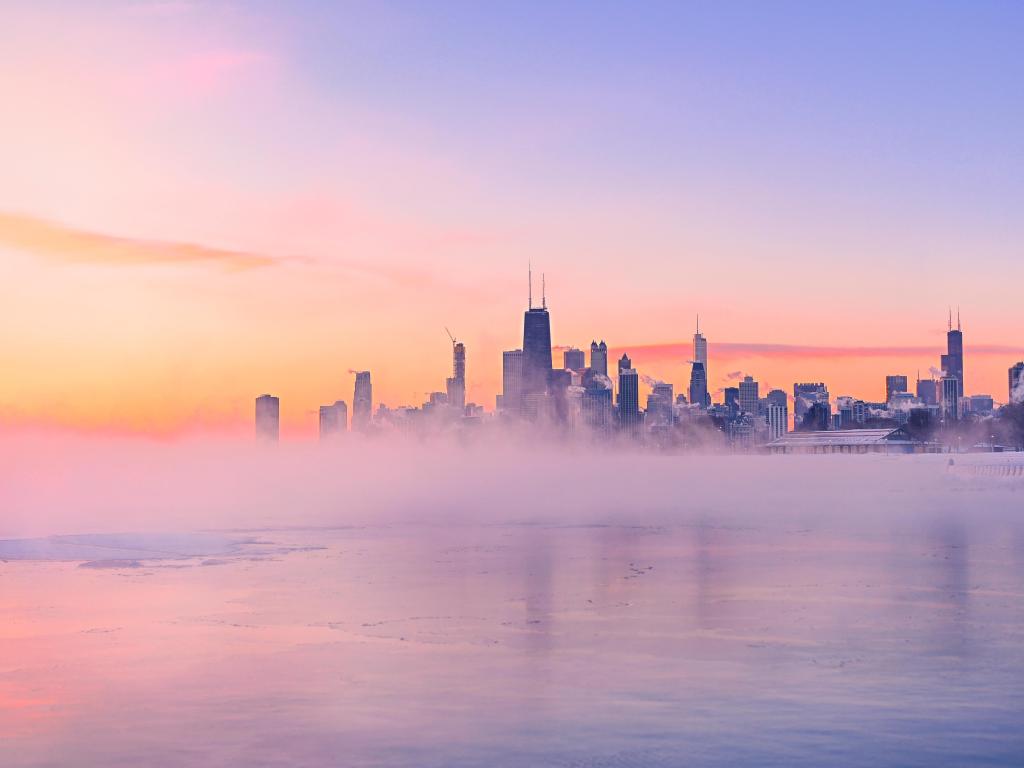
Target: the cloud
(733, 375)
(77, 246)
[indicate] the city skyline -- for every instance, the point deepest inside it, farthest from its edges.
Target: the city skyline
(202, 201)
(582, 398)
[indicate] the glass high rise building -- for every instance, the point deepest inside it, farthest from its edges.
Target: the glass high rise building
(268, 417)
(362, 402)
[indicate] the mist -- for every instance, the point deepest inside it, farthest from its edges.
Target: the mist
(61, 484)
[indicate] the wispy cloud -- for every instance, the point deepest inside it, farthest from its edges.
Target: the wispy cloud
(57, 242)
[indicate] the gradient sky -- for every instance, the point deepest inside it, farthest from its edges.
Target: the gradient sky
(203, 201)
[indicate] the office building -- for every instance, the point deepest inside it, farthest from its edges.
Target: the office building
(698, 385)
(749, 397)
(599, 358)
(362, 402)
(949, 386)
(333, 419)
(596, 402)
(927, 391)
(268, 418)
(894, 384)
(731, 399)
(700, 349)
(455, 387)
(512, 381)
(574, 359)
(659, 406)
(1016, 391)
(629, 396)
(777, 418)
(806, 394)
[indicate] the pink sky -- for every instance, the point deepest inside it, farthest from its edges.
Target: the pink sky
(199, 204)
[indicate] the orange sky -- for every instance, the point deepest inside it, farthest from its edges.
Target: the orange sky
(203, 202)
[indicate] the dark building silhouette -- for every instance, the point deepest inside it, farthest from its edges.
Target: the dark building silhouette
(731, 399)
(817, 418)
(949, 386)
(574, 359)
(698, 385)
(362, 402)
(268, 417)
(629, 396)
(1016, 392)
(511, 381)
(599, 357)
(927, 391)
(536, 348)
(805, 394)
(778, 397)
(894, 384)
(953, 361)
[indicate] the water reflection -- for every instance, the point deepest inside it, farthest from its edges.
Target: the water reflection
(524, 646)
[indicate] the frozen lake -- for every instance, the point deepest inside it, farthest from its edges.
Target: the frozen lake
(783, 630)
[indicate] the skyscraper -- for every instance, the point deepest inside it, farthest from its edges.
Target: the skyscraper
(749, 395)
(949, 386)
(599, 357)
(333, 419)
(629, 396)
(362, 402)
(1016, 393)
(574, 359)
(596, 402)
(456, 385)
(777, 418)
(268, 417)
(806, 394)
(731, 399)
(512, 381)
(536, 347)
(700, 349)
(659, 405)
(927, 392)
(953, 361)
(894, 384)
(698, 385)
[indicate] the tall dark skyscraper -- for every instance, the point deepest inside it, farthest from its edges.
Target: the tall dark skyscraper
(362, 402)
(536, 347)
(953, 361)
(268, 417)
(629, 396)
(698, 385)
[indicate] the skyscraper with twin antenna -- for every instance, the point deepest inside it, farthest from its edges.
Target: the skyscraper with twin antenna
(952, 363)
(536, 345)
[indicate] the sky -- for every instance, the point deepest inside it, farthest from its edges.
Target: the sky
(204, 201)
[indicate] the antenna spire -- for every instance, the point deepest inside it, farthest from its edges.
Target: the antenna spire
(543, 293)
(529, 272)
(698, 323)
(958, 318)
(950, 326)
